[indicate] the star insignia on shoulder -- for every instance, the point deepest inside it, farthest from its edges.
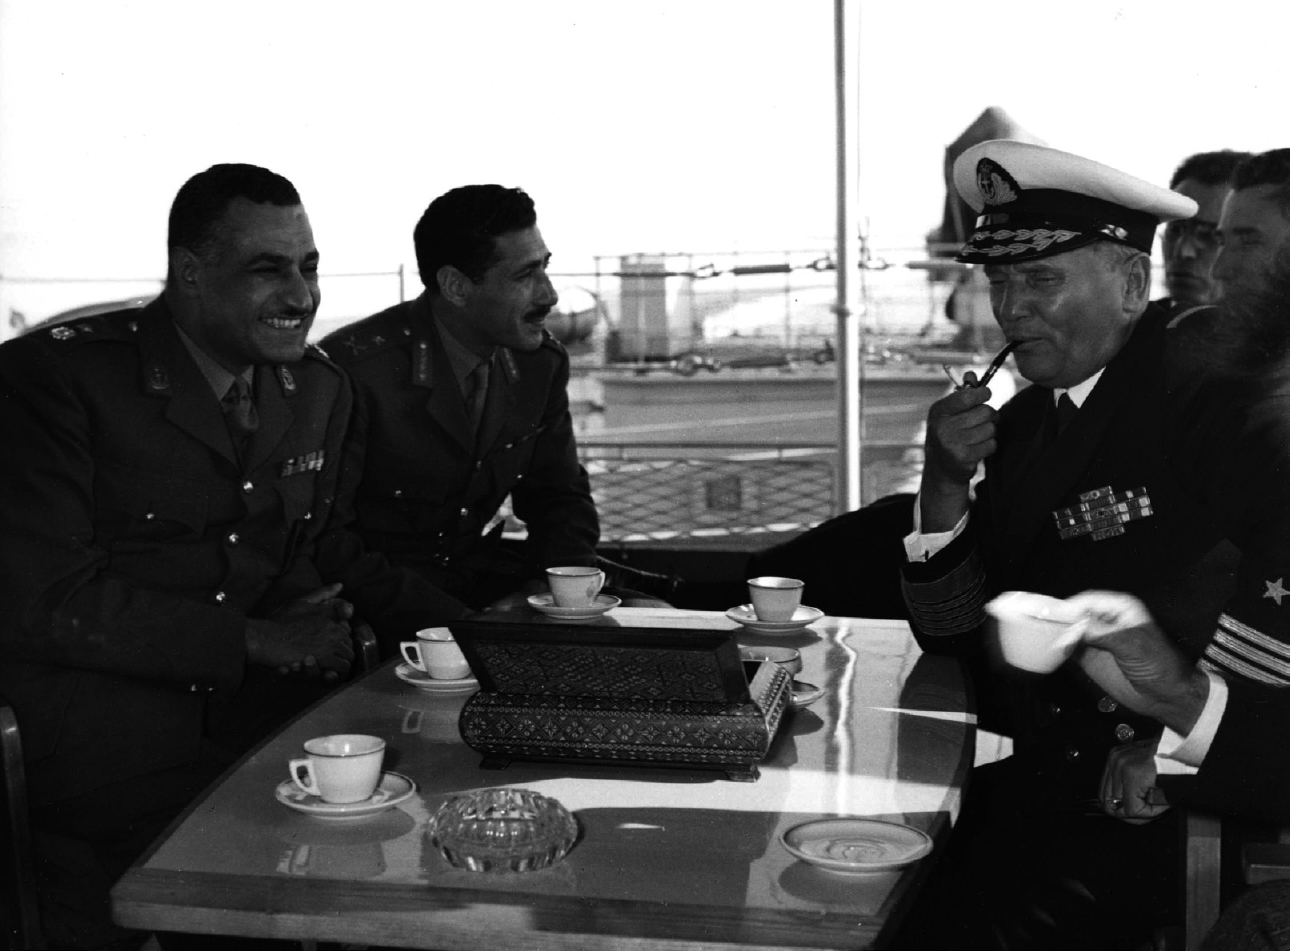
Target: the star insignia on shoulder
(1275, 591)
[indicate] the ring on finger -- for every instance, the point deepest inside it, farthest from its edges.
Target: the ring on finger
(1114, 802)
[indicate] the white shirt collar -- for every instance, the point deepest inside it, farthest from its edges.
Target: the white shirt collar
(1080, 391)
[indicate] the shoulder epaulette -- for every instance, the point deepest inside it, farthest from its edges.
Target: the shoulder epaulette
(118, 325)
(367, 338)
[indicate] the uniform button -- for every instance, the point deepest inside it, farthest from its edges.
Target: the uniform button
(520, 477)
(398, 493)
(248, 486)
(465, 512)
(1055, 709)
(1107, 705)
(150, 516)
(479, 464)
(407, 331)
(308, 516)
(1072, 754)
(220, 597)
(233, 538)
(192, 688)
(1124, 732)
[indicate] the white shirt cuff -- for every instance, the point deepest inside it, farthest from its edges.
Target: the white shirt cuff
(920, 547)
(1178, 755)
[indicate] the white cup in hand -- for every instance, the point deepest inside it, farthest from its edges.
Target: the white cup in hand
(1036, 632)
(436, 654)
(343, 767)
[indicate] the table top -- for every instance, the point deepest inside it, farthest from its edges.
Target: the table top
(667, 858)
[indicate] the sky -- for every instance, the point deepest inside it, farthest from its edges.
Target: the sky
(674, 125)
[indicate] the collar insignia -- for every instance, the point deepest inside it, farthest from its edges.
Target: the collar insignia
(1102, 513)
(288, 381)
(1275, 591)
(997, 187)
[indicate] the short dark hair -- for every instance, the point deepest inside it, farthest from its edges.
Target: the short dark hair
(1267, 168)
(203, 199)
(1209, 168)
(460, 226)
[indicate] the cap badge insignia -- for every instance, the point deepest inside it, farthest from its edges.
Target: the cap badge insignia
(62, 333)
(997, 187)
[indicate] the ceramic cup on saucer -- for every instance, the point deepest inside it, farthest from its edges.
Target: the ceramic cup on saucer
(786, 657)
(574, 586)
(775, 599)
(343, 767)
(1036, 632)
(436, 654)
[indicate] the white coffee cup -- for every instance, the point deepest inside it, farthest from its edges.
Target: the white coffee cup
(343, 767)
(574, 586)
(436, 654)
(786, 657)
(1036, 632)
(775, 599)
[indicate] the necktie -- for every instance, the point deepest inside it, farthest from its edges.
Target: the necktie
(239, 411)
(478, 393)
(1066, 410)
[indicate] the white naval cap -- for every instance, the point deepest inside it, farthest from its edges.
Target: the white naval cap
(1035, 201)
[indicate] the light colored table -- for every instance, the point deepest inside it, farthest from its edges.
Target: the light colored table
(675, 859)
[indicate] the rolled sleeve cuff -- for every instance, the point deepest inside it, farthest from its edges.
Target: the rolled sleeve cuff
(1179, 755)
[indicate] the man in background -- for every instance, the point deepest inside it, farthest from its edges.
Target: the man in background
(461, 400)
(1255, 223)
(1191, 244)
(168, 472)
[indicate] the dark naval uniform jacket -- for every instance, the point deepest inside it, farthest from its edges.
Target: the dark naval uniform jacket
(1129, 497)
(134, 544)
(427, 488)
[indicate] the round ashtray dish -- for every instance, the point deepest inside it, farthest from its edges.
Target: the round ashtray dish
(502, 830)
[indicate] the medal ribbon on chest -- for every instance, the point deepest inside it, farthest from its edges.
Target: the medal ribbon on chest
(1102, 513)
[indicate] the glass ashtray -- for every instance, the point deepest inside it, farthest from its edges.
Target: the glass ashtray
(502, 830)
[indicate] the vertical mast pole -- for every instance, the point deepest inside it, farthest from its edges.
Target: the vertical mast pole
(848, 307)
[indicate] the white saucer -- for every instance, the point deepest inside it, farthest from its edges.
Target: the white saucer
(546, 604)
(419, 678)
(745, 615)
(856, 846)
(393, 789)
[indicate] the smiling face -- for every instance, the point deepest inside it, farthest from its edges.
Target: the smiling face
(1070, 313)
(1253, 227)
(508, 306)
(250, 297)
(1191, 245)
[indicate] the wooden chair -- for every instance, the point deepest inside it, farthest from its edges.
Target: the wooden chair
(21, 916)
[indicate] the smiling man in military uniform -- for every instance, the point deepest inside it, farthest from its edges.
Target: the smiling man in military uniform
(168, 471)
(1094, 478)
(461, 400)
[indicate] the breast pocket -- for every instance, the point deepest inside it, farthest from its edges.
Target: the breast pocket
(150, 505)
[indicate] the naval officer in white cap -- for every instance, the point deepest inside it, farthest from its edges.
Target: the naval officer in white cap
(1092, 481)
